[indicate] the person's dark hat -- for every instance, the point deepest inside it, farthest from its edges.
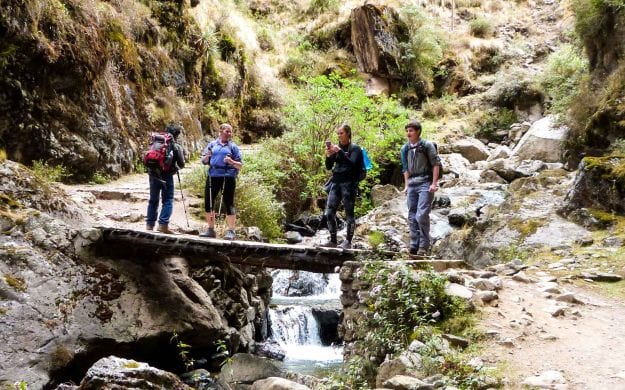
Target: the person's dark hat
(174, 129)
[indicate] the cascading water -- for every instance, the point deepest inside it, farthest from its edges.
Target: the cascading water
(297, 297)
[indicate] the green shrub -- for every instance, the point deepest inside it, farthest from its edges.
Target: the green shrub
(401, 305)
(49, 173)
(257, 206)
(423, 50)
(481, 28)
(318, 6)
(376, 238)
(562, 76)
(293, 164)
(440, 108)
(493, 120)
(100, 177)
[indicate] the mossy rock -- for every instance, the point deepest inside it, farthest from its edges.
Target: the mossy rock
(600, 185)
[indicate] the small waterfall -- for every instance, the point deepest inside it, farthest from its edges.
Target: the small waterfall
(294, 326)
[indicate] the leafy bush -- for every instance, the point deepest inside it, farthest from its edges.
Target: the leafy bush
(493, 120)
(257, 206)
(424, 48)
(401, 307)
(439, 108)
(562, 76)
(317, 6)
(49, 173)
(480, 27)
(293, 164)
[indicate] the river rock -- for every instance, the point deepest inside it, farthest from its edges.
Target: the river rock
(274, 383)
(246, 368)
(117, 373)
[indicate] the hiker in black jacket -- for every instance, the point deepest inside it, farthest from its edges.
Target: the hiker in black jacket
(345, 160)
(162, 186)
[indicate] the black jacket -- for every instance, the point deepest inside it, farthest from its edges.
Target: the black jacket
(347, 164)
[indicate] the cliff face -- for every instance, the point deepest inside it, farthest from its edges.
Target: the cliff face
(82, 83)
(599, 112)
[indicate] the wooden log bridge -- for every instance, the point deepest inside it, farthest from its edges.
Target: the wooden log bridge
(145, 244)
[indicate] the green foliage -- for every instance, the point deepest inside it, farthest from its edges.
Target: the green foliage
(223, 352)
(293, 164)
(376, 238)
(49, 173)
(512, 252)
(3, 155)
(562, 76)
(440, 108)
(591, 16)
(401, 302)
(424, 48)
(318, 6)
(100, 177)
(183, 351)
(257, 206)
(480, 27)
(493, 120)
(194, 180)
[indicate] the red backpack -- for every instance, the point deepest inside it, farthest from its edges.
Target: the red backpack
(160, 154)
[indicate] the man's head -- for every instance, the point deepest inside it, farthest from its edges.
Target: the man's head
(413, 131)
(174, 129)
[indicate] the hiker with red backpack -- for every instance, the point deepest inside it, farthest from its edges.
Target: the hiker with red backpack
(224, 160)
(163, 160)
(421, 166)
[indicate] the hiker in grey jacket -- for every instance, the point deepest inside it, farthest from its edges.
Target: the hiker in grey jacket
(421, 167)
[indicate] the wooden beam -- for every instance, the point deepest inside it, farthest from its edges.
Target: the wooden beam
(144, 245)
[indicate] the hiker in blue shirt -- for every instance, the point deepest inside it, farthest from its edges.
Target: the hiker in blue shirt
(345, 160)
(224, 160)
(421, 167)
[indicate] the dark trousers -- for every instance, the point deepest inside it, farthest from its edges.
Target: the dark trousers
(214, 185)
(341, 193)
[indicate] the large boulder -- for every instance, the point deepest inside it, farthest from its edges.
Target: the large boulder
(375, 32)
(116, 373)
(277, 384)
(543, 141)
(472, 149)
(245, 368)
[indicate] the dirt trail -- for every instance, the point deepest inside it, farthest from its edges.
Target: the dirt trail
(584, 344)
(123, 203)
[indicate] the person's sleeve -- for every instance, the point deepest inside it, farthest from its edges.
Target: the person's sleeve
(355, 157)
(237, 154)
(402, 156)
(330, 160)
(179, 156)
(204, 153)
(433, 155)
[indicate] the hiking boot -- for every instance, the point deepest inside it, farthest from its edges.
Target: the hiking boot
(149, 227)
(413, 251)
(209, 233)
(345, 244)
(164, 229)
(422, 252)
(230, 235)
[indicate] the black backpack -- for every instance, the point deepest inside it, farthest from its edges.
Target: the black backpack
(421, 149)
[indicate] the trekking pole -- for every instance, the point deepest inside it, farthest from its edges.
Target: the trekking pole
(221, 200)
(184, 206)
